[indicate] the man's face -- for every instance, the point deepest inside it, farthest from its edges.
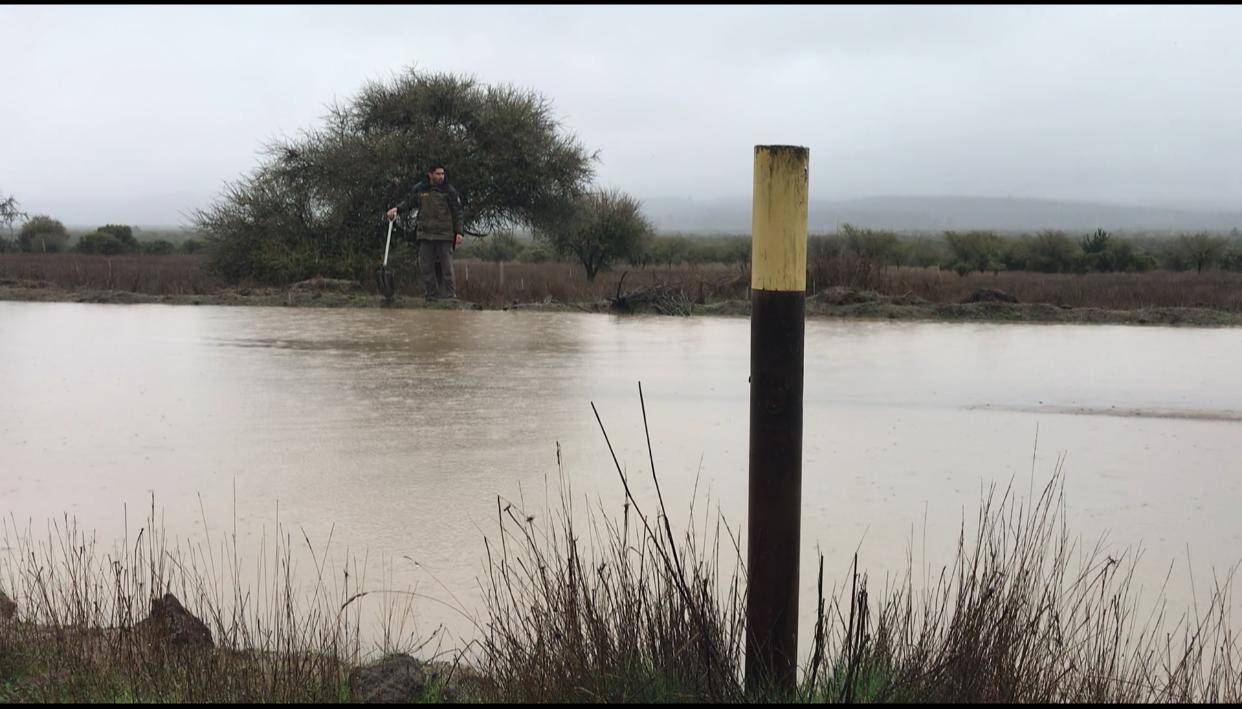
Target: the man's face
(436, 175)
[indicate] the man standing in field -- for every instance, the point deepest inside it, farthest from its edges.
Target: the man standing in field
(438, 230)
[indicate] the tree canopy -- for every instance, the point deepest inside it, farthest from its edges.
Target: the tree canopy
(109, 239)
(44, 234)
(600, 228)
(315, 204)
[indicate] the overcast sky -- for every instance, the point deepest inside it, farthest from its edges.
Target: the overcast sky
(139, 114)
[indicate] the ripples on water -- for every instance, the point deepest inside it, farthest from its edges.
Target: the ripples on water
(402, 427)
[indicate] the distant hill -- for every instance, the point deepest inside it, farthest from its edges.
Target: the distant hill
(935, 214)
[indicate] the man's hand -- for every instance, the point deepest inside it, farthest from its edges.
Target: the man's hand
(392, 214)
(457, 240)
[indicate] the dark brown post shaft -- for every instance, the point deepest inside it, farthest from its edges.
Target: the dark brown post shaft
(778, 301)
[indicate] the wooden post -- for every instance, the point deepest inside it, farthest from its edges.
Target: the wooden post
(777, 324)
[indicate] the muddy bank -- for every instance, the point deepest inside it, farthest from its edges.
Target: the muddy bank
(831, 303)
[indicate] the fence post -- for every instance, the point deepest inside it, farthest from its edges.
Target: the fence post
(777, 324)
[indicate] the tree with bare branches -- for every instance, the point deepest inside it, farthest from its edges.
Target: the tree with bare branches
(10, 212)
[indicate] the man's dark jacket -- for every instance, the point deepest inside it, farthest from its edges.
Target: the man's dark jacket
(439, 210)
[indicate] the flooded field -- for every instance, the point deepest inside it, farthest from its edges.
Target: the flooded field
(395, 431)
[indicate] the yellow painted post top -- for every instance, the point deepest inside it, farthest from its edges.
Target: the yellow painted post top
(778, 218)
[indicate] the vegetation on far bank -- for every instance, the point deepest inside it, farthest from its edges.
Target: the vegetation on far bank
(897, 293)
(312, 211)
(312, 207)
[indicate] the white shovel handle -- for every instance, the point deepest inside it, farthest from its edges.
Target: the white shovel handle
(389, 241)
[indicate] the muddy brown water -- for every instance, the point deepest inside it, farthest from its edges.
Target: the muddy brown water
(395, 431)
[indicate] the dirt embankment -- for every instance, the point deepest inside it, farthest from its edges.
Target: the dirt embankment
(981, 306)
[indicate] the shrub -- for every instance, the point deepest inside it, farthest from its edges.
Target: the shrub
(43, 234)
(974, 251)
(158, 247)
(602, 227)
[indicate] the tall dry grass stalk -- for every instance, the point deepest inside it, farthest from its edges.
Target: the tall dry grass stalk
(623, 611)
(617, 607)
(1024, 613)
(1114, 291)
(277, 638)
(496, 284)
(176, 274)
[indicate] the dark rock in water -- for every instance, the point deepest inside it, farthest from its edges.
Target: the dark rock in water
(396, 679)
(8, 608)
(990, 295)
(171, 622)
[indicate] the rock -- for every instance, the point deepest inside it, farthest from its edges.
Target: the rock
(8, 608)
(395, 679)
(170, 622)
(990, 295)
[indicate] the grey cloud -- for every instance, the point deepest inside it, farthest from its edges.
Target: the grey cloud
(138, 114)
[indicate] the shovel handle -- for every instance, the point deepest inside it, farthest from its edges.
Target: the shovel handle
(389, 241)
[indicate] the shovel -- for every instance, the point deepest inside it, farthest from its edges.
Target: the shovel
(384, 276)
